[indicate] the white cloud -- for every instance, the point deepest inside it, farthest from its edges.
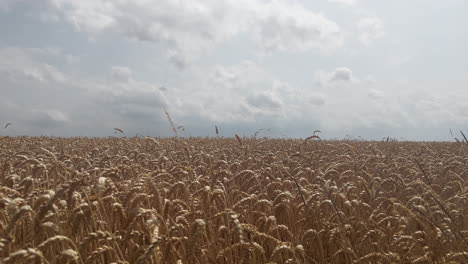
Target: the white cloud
(317, 99)
(19, 63)
(369, 30)
(244, 94)
(196, 48)
(176, 59)
(50, 116)
(264, 101)
(276, 24)
(40, 120)
(339, 77)
(286, 26)
(341, 74)
(243, 97)
(347, 2)
(120, 73)
(56, 102)
(375, 94)
(8, 110)
(125, 96)
(227, 95)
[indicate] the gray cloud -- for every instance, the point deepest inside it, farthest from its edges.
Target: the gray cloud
(16, 63)
(375, 94)
(291, 27)
(121, 74)
(264, 101)
(126, 97)
(341, 74)
(7, 5)
(339, 77)
(242, 94)
(48, 118)
(91, 106)
(240, 64)
(369, 30)
(275, 24)
(176, 59)
(31, 121)
(346, 2)
(317, 100)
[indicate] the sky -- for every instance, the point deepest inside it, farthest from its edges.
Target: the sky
(350, 68)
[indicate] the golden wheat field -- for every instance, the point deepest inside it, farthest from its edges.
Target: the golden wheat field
(145, 200)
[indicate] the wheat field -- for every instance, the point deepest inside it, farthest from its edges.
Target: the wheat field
(200, 200)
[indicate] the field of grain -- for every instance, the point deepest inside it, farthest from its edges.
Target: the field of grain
(143, 200)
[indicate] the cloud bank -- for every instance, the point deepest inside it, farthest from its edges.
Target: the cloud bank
(81, 68)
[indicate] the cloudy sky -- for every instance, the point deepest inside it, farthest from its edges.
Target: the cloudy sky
(368, 68)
